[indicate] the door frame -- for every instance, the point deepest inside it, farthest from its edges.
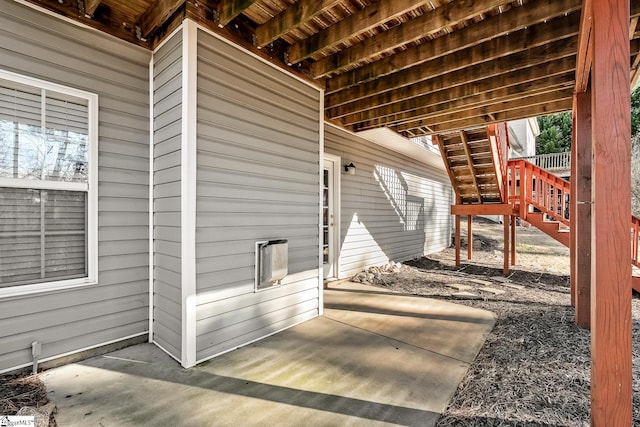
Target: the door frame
(334, 234)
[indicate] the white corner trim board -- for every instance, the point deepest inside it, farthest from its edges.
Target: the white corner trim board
(188, 190)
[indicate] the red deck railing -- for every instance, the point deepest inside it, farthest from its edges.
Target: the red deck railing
(529, 185)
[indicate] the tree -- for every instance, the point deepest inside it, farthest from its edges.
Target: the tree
(555, 133)
(635, 111)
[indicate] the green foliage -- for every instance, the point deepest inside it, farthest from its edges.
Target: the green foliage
(635, 111)
(555, 133)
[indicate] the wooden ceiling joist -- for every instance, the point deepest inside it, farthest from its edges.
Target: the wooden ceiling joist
(291, 18)
(418, 66)
(499, 47)
(157, 14)
(497, 107)
(497, 68)
(481, 121)
(90, 6)
(499, 25)
(229, 9)
(352, 26)
(415, 29)
(466, 97)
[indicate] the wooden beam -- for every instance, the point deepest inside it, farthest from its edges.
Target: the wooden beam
(472, 170)
(354, 25)
(611, 357)
(581, 221)
(573, 277)
(443, 152)
(457, 240)
(110, 21)
(480, 121)
(469, 237)
(425, 25)
(485, 209)
(506, 245)
(494, 108)
(513, 240)
(635, 70)
(157, 15)
(229, 9)
(347, 102)
(470, 95)
(585, 51)
(90, 6)
(507, 23)
(454, 100)
(295, 16)
(486, 52)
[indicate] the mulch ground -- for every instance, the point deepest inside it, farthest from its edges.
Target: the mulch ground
(22, 389)
(534, 368)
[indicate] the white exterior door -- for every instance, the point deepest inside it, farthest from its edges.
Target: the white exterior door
(330, 220)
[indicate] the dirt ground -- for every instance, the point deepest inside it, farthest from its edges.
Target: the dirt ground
(534, 367)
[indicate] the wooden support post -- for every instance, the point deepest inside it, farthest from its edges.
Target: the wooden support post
(581, 215)
(513, 240)
(572, 208)
(469, 237)
(611, 375)
(506, 245)
(458, 240)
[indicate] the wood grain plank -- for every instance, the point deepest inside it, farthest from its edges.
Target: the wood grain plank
(611, 378)
(581, 221)
(354, 25)
(430, 23)
(291, 18)
(503, 24)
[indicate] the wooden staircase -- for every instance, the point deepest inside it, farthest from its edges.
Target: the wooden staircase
(470, 162)
(486, 182)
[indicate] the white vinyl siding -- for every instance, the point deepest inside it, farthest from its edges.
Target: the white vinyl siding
(37, 45)
(167, 137)
(257, 179)
(393, 208)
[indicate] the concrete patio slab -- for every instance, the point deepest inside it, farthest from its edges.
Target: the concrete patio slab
(375, 358)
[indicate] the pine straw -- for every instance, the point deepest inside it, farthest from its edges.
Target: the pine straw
(535, 365)
(20, 389)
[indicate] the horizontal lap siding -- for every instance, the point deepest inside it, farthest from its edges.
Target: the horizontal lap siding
(40, 46)
(167, 140)
(258, 161)
(393, 208)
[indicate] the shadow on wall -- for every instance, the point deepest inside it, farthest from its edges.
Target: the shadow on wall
(408, 207)
(393, 215)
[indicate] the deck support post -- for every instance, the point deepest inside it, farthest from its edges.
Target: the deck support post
(469, 237)
(457, 240)
(573, 272)
(513, 240)
(581, 213)
(506, 244)
(611, 374)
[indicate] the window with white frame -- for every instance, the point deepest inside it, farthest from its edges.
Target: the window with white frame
(48, 212)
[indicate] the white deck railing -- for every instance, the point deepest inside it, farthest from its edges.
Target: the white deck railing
(551, 162)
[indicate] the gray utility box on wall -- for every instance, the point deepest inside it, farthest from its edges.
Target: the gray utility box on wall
(272, 262)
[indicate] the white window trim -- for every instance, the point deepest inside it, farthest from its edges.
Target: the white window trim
(91, 187)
